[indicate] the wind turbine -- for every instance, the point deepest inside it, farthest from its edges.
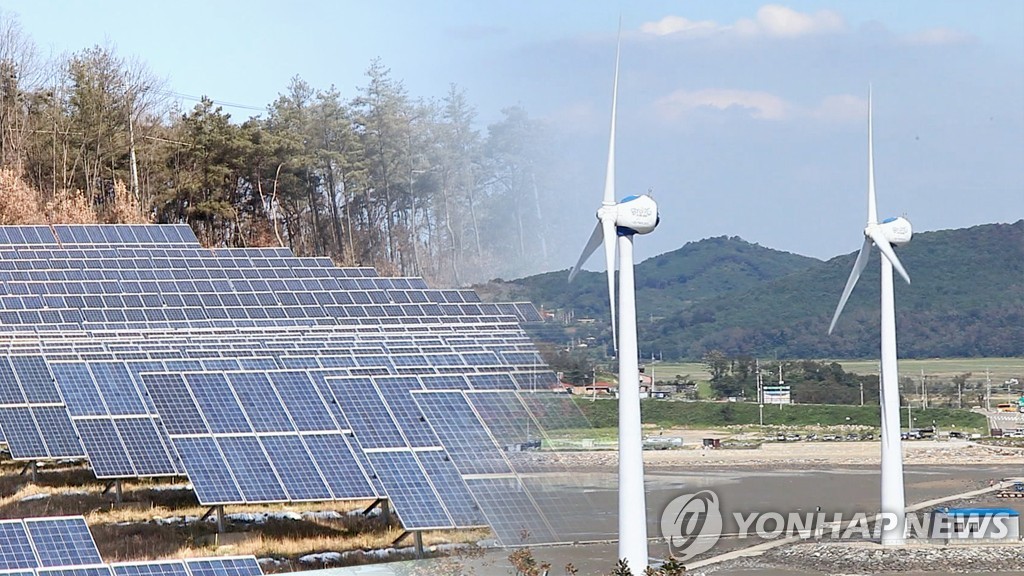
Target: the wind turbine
(622, 220)
(885, 234)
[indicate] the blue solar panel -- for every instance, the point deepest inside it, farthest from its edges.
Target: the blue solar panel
(511, 511)
(397, 394)
(107, 455)
(160, 568)
(304, 403)
(252, 471)
(470, 445)
(217, 404)
(117, 388)
(62, 541)
(58, 433)
(339, 465)
(144, 447)
(78, 388)
(35, 379)
(208, 471)
(174, 403)
(371, 423)
(21, 433)
(260, 402)
(298, 472)
(407, 486)
(15, 548)
(451, 488)
(10, 390)
(239, 566)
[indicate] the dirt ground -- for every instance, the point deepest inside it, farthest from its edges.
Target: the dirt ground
(794, 454)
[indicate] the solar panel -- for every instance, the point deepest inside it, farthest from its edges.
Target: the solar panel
(62, 541)
(408, 488)
(470, 445)
(511, 511)
(160, 568)
(108, 299)
(15, 548)
(228, 566)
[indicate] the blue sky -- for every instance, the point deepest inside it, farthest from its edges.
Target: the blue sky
(745, 118)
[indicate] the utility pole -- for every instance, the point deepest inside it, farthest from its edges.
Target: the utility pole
(133, 166)
(760, 394)
(861, 392)
(924, 392)
(959, 394)
(988, 391)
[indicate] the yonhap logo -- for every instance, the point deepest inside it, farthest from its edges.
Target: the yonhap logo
(692, 523)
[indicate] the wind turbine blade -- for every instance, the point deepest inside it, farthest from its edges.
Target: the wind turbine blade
(872, 206)
(890, 255)
(592, 244)
(609, 177)
(858, 267)
(608, 225)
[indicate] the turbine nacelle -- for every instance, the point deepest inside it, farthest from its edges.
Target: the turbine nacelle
(636, 215)
(897, 231)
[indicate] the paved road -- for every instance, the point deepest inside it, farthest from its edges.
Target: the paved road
(1005, 420)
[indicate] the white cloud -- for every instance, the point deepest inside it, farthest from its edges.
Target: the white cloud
(771, 20)
(679, 25)
(841, 108)
(937, 37)
(836, 108)
(781, 22)
(761, 105)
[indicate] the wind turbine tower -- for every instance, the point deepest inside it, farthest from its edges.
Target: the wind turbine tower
(617, 223)
(884, 235)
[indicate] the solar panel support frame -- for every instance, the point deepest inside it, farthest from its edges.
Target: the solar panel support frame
(218, 514)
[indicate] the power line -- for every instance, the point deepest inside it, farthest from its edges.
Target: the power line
(217, 102)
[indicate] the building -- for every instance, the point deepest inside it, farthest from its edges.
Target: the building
(973, 524)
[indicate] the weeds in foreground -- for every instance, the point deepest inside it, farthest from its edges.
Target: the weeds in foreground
(524, 563)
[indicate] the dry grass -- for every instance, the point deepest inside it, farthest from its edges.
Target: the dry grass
(128, 531)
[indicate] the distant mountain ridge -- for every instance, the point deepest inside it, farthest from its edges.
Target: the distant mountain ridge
(967, 298)
(668, 282)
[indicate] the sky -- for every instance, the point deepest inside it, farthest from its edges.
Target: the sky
(743, 118)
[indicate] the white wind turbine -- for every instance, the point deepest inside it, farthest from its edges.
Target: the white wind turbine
(884, 235)
(632, 215)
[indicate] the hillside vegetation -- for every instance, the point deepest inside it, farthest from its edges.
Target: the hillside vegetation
(604, 414)
(666, 283)
(966, 300)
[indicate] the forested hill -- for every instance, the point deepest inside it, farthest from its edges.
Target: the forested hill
(667, 283)
(967, 299)
(410, 184)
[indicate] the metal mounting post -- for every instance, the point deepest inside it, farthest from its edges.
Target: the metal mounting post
(218, 513)
(418, 538)
(33, 470)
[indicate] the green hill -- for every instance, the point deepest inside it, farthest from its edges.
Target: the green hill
(967, 299)
(665, 284)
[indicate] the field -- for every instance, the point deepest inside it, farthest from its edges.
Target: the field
(1000, 369)
(603, 414)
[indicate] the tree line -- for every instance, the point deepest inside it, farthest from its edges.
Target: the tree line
(408, 185)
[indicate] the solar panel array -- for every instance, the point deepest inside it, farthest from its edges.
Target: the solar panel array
(264, 377)
(63, 546)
